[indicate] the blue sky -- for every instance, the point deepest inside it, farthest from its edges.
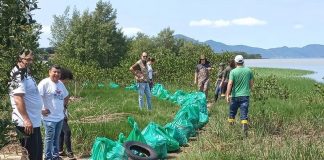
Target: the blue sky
(257, 23)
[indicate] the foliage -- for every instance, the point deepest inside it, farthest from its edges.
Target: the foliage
(17, 31)
(91, 38)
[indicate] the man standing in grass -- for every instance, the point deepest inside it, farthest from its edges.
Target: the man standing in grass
(27, 106)
(202, 75)
(238, 91)
(54, 95)
(140, 70)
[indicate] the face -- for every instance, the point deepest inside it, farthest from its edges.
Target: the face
(27, 61)
(202, 61)
(54, 74)
(144, 56)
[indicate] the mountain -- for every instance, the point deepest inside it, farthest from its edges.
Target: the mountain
(309, 51)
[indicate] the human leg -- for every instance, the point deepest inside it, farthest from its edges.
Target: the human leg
(49, 138)
(57, 133)
(244, 107)
(67, 136)
(32, 143)
(148, 96)
(233, 109)
(141, 88)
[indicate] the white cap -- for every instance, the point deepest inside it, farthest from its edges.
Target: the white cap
(239, 59)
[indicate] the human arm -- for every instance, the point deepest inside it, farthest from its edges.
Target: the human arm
(229, 90)
(21, 107)
(135, 69)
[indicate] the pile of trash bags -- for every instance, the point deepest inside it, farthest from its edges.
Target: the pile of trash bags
(192, 115)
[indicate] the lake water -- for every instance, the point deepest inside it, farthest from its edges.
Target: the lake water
(315, 65)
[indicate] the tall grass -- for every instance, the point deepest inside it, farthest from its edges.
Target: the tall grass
(281, 127)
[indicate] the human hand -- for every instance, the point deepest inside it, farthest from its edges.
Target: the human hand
(28, 126)
(45, 112)
(228, 99)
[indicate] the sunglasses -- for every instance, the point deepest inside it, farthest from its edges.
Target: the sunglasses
(144, 56)
(28, 59)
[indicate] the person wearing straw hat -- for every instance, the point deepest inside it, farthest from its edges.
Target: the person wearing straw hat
(238, 92)
(202, 75)
(27, 106)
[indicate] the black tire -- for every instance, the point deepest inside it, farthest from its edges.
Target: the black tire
(145, 149)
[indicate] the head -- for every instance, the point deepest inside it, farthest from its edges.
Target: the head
(26, 58)
(221, 65)
(202, 59)
(231, 63)
(239, 60)
(55, 73)
(66, 75)
(144, 56)
(151, 60)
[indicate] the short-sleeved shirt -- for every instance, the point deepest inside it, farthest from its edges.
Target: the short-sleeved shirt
(53, 95)
(202, 72)
(144, 70)
(150, 71)
(241, 77)
(23, 83)
(226, 73)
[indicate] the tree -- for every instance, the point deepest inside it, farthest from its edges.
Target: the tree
(17, 30)
(91, 38)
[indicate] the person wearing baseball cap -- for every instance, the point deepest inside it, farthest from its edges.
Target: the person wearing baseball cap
(238, 92)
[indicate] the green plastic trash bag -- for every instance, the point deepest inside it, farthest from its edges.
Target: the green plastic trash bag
(132, 87)
(113, 85)
(121, 138)
(178, 97)
(159, 92)
(184, 125)
(135, 134)
(106, 149)
(193, 113)
(172, 130)
(101, 85)
(154, 130)
(203, 119)
(157, 141)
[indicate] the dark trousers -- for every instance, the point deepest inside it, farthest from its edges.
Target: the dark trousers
(65, 137)
(33, 143)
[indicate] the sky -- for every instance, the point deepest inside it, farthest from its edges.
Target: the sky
(257, 23)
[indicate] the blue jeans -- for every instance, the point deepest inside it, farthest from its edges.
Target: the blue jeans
(52, 136)
(242, 103)
(144, 88)
(218, 88)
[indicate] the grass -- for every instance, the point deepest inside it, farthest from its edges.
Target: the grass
(280, 128)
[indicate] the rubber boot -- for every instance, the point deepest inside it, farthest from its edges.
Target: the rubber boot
(231, 121)
(245, 127)
(215, 98)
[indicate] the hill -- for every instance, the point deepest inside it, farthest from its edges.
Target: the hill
(309, 51)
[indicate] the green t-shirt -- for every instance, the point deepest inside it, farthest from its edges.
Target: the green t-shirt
(241, 77)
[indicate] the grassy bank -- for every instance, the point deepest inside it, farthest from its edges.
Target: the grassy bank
(286, 122)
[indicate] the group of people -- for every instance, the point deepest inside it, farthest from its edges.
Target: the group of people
(33, 104)
(234, 82)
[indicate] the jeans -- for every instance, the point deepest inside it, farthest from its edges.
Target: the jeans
(32, 143)
(65, 137)
(52, 135)
(218, 88)
(242, 103)
(144, 88)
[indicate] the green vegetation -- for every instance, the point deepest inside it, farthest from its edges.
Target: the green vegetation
(286, 110)
(281, 127)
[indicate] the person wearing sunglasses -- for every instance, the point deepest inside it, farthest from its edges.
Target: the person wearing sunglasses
(140, 71)
(202, 75)
(27, 106)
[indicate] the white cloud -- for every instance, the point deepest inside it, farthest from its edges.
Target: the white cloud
(131, 31)
(298, 26)
(247, 21)
(46, 29)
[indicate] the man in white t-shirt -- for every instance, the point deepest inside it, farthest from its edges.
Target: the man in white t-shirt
(27, 106)
(53, 93)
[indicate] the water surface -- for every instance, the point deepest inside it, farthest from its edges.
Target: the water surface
(315, 65)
